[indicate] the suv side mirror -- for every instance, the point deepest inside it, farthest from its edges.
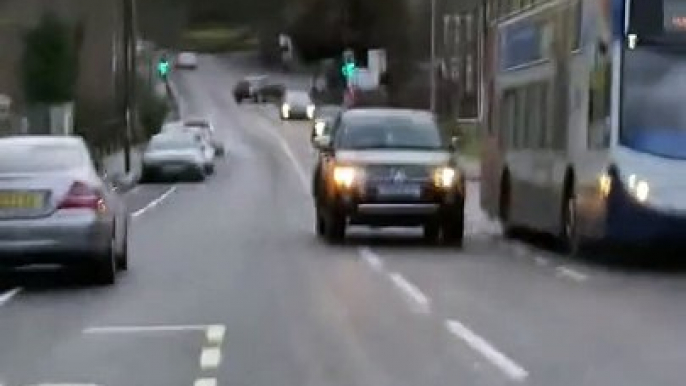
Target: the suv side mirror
(322, 142)
(454, 143)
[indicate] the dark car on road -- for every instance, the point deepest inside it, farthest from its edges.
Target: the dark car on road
(388, 167)
(297, 104)
(249, 88)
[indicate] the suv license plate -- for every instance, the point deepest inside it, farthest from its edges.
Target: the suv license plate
(411, 191)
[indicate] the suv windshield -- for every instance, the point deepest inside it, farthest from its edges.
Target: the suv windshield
(389, 133)
(653, 118)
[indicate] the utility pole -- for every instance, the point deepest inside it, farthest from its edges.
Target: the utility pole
(432, 72)
(128, 15)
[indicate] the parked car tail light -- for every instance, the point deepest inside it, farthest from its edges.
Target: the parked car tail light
(82, 196)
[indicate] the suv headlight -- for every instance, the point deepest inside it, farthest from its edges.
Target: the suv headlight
(285, 109)
(347, 176)
(310, 111)
(638, 187)
(445, 177)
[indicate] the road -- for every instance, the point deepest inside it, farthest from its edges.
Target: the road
(229, 286)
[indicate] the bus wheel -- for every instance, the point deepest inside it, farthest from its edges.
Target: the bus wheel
(504, 207)
(569, 237)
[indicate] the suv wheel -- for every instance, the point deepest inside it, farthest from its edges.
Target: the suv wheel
(453, 230)
(432, 231)
(334, 228)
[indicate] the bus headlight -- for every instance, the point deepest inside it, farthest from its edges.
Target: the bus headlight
(639, 188)
(346, 176)
(445, 177)
(285, 110)
(310, 111)
(605, 184)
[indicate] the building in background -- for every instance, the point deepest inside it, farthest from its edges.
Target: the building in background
(98, 28)
(460, 28)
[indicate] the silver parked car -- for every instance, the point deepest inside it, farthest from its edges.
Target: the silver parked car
(175, 155)
(55, 209)
(204, 125)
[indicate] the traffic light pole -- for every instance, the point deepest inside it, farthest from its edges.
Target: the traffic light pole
(130, 72)
(432, 72)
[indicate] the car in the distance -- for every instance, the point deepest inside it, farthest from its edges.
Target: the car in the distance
(205, 125)
(187, 60)
(250, 88)
(55, 209)
(297, 105)
(386, 167)
(173, 156)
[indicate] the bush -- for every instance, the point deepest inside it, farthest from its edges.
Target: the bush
(153, 111)
(50, 62)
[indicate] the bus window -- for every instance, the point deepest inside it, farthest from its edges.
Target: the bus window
(507, 119)
(520, 121)
(599, 99)
(577, 15)
(546, 136)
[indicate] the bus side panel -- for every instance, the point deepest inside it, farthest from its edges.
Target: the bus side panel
(491, 152)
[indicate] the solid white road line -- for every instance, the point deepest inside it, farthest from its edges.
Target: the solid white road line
(412, 292)
(64, 384)
(144, 329)
(205, 382)
(479, 344)
(210, 358)
(7, 296)
(215, 334)
(571, 274)
(154, 202)
(541, 261)
(372, 259)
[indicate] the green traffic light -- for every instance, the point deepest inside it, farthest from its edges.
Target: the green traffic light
(163, 68)
(348, 69)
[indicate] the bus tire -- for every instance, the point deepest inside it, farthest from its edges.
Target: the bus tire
(504, 206)
(570, 243)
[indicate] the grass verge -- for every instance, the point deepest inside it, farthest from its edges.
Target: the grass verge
(216, 39)
(469, 134)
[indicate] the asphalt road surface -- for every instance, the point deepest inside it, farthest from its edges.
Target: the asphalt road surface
(229, 286)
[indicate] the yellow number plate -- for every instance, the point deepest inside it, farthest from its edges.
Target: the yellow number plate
(20, 201)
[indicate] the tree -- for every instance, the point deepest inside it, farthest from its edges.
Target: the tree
(50, 62)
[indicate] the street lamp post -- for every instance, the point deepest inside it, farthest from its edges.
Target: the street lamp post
(432, 72)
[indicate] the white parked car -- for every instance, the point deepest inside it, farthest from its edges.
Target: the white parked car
(205, 125)
(175, 155)
(187, 60)
(202, 135)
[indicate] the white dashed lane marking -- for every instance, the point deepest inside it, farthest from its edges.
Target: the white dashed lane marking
(7, 296)
(372, 259)
(571, 274)
(210, 358)
(509, 367)
(205, 382)
(420, 302)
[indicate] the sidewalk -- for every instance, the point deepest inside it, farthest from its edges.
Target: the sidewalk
(114, 165)
(472, 168)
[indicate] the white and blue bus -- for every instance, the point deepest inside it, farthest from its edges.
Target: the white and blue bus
(586, 122)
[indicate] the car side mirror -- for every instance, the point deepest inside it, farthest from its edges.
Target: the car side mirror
(454, 143)
(322, 142)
